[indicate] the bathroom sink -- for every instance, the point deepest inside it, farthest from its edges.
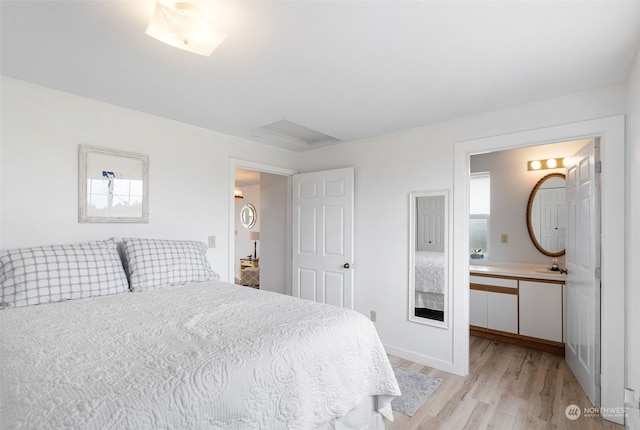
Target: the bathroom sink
(548, 272)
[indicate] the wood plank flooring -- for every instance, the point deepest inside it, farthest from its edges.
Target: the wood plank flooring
(508, 387)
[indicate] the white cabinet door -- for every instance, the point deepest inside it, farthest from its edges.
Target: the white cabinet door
(494, 310)
(541, 310)
(478, 308)
(502, 312)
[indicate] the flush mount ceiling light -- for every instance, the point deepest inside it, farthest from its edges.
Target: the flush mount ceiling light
(181, 25)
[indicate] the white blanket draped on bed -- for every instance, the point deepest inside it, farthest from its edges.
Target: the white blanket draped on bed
(429, 280)
(430, 272)
(209, 355)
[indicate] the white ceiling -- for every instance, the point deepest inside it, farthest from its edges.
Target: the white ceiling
(345, 69)
(244, 177)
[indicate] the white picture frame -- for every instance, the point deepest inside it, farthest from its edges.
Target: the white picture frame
(113, 186)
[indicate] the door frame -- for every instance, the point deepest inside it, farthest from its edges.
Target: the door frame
(236, 163)
(611, 132)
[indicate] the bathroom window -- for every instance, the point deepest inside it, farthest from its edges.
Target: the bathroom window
(480, 212)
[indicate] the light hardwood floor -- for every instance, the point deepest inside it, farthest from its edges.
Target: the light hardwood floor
(508, 387)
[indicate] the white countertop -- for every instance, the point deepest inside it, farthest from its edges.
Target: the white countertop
(523, 270)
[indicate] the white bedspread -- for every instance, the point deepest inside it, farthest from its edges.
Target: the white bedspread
(430, 272)
(210, 355)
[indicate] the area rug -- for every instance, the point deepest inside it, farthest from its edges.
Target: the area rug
(415, 388)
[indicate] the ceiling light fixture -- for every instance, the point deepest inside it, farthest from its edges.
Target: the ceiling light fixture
(551, 163)
(181, 25)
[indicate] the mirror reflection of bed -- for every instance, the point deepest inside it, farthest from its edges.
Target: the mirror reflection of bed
(428, 270)
(429, 289)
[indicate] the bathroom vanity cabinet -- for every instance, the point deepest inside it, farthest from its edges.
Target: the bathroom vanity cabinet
(523, 310)
(494, 303)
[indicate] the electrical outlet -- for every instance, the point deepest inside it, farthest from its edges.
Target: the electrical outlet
(504, 238)
(212, 241)
(373, 316)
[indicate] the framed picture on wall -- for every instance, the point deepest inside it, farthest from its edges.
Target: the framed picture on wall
(113, 186)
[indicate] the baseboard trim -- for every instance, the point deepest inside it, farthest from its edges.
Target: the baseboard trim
(425, 360)
(516, 339)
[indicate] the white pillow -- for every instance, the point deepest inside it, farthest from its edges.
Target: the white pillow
(156, 263)
(31, 276)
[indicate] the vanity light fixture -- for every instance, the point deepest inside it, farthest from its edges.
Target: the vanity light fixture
(238, 193)
(181, 25)
(551, 163)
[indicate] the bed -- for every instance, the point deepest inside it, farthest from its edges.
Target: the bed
(198, 353)
(429, 280)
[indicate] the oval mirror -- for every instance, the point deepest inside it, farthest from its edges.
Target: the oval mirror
(248, 216)
(429, 257)
(547, 215)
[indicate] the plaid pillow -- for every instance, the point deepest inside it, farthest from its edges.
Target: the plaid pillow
(155, 263)
(44, 274)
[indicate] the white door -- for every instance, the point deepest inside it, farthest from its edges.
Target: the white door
(430, 223)
(323, 237)
(553, 218)
(582, 351)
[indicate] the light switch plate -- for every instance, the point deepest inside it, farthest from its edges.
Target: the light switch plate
(212, 241)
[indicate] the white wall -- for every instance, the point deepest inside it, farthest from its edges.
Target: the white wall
(388, 167)
(511, 185)
(275, 233)
(189, 170)
(633, 229)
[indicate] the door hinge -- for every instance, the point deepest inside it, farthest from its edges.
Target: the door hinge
(598, 379)
(598, 166)
(598, 273)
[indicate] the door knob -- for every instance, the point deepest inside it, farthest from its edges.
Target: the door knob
(346, 265)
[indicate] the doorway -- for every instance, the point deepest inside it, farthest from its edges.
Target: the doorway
(263, 243)
(538, 309)
(611, 131)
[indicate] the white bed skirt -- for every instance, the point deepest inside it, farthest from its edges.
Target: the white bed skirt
(432, 301)
(365, 417)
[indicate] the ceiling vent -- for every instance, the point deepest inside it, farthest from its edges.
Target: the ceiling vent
(297, 132)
